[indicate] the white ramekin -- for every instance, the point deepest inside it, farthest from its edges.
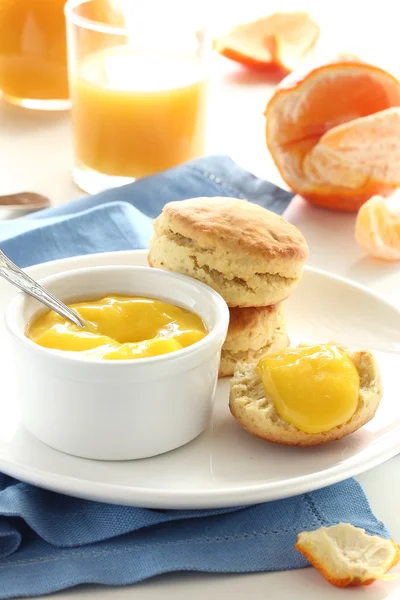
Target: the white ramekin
(118, 410)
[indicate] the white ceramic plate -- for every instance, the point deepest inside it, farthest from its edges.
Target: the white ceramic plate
(225, 466)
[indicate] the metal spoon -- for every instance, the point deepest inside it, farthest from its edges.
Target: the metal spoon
(14, 275)
(22, 203)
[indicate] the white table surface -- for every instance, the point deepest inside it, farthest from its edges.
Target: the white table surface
(35, 155)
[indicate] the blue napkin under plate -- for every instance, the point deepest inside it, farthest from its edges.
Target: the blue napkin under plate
(48, 541)
(121, 218)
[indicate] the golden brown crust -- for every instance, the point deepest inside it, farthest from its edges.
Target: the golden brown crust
(244, 227)
(256, 413)
(250, 256)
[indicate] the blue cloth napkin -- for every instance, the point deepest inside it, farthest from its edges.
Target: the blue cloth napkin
(120, 219)
(48, 541)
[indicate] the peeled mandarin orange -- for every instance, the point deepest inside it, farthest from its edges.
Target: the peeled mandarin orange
(334, 133)
(279, 40)
(347, 556)
(378, 229)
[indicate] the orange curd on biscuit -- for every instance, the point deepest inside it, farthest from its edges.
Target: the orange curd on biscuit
(315, 388)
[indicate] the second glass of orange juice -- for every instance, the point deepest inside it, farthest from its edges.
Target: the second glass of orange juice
(138, 90)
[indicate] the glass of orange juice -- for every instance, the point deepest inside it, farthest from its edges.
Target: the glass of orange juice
(138, 82)
(33, 53)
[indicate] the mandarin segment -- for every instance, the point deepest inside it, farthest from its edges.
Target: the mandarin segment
(333, 133)
(347, 556)
(280, 40)
(362, 147)
(377, 229)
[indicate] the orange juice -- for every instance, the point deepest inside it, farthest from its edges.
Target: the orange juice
(137, 113)
(33, 56)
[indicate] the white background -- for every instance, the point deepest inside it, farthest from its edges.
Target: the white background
(35, 155)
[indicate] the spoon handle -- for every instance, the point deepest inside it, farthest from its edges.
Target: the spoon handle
(14, 275)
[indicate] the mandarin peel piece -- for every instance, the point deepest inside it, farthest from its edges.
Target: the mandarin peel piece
(280, 40)
(346, 556)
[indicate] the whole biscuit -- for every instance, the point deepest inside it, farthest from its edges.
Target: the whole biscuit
(250, 255)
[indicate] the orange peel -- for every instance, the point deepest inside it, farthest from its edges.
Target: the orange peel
(280, 40)
(334, 133)
(348, 556)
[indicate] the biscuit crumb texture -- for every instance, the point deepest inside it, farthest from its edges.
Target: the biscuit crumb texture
(256, 412)
(231, 358)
